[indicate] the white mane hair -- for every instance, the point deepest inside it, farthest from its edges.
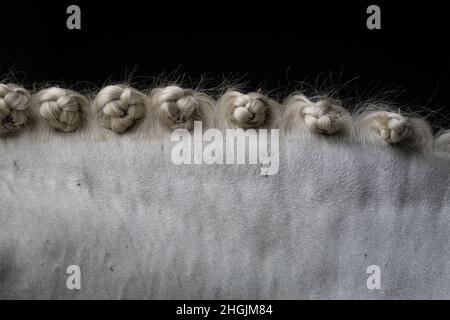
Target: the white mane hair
(252, 110)
(373, 123)
(121, 109)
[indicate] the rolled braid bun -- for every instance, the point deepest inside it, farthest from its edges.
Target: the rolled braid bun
(14, 102)
(251, 110)
(119, 107)
(62, 109)
(321, 116)
(393, 128)
(178, 108)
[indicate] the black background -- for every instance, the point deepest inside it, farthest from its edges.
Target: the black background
(277, 46)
